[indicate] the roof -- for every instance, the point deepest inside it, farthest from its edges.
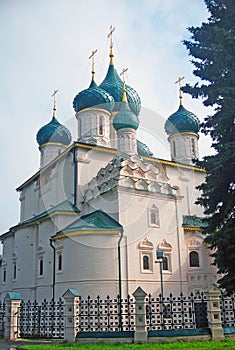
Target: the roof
(104, 149)
(182, 121)
(64, 207)
(54, 132)
(95, 221)
(193, 221)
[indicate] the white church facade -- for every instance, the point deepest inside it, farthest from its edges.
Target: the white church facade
(100, 207)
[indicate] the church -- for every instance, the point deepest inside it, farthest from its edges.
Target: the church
(103, 215)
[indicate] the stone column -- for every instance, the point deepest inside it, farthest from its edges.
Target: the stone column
(12, 301)
(71, 298)
(214, 313)
(141, 333)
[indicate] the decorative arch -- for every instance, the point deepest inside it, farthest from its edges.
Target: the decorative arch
(146, 248)
(153, 216)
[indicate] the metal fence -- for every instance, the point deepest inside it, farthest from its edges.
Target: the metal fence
(43, 321)
(90, 315)
(227, 308)
(182, 312)
(106, 315)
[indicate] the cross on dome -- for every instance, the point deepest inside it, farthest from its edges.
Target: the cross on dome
(180, 91)
(110, 36)
(54, 107)
(92, 57)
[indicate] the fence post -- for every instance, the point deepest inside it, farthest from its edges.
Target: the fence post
(12, 301)
(141, 333)
(214, 313)
(71, 298)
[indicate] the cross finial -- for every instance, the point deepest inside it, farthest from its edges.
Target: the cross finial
(92, 56)
(124, 97)
(110, 35)
(54, 108)
(180, 91)
(123, 73)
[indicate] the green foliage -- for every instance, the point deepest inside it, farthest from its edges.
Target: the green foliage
(212, 47)
(211, 345)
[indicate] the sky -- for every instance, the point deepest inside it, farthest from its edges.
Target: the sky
(46, 44)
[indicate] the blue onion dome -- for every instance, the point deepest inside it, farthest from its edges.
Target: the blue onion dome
(143, 150)
(93, 97)
(54, 132)
(113, 84)
(125, 118)
(182, 121)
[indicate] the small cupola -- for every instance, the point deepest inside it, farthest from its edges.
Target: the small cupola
(93, 107)
(126, 123)
(182, 127)
(53, 138)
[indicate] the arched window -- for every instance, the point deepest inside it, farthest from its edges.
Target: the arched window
(101, 125)
(193, 259)
(59, 262)
(165, 264)
(14, 271)
(193, 147)
(174, 149)
(146, 256)
(4, 275)
(146, 262)
(41, 267)
(154, 216)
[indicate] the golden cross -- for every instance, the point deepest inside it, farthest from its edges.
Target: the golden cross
(179, 82)
(123, 73)
(124, 97)
(93, 63)
(110, 35)
(54, 95)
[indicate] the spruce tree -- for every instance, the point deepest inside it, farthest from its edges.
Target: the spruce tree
(212, 47)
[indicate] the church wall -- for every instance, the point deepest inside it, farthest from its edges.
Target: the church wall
(90, 264)
(186, 180)
(7, 265)
(135, 220)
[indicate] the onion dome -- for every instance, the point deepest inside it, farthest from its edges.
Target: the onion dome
(143, 150)
(113, 84)
(182, 121)
(125, 118)
(94, 96)
(54, 132)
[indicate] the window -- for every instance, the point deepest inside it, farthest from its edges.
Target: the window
(145, 262)
(193, 148)
(14, 271)
(174, 149)
(166, 247)
(59, 262)
(4, 275)
(165, 263)
(194, 259)
(146, 256)
(154, 216)
(40, 267)
(101, 125)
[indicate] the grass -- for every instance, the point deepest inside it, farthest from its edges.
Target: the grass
(208, 345)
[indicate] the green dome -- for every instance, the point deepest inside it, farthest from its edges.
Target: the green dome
(54, 132)
(93, 97)
(113, 84)
(143, 150)
(182, 121)
(125, 118)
